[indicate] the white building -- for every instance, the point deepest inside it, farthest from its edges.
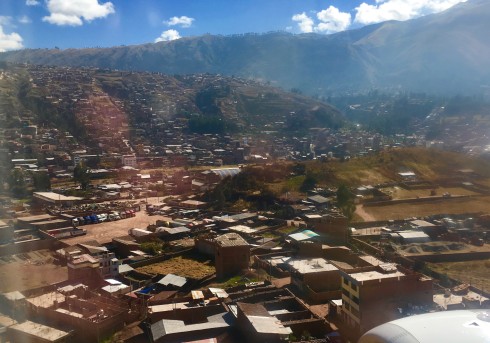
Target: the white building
(129, 161)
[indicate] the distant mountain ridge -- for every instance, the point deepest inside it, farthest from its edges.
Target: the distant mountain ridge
(447, 52)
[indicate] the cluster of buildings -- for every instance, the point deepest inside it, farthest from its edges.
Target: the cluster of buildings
(303, 267)
(127, 120)
(360, 275)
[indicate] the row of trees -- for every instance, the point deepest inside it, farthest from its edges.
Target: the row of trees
(21, 183)
(249, 186)
(18, 181)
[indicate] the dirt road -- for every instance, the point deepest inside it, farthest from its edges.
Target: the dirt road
(363, 214)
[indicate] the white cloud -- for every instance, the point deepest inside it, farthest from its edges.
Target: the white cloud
(332, 20)
(5, 20)
(168, 36)
(24, 20)
(182, 21)
(32, 2)
(10, 41)
(305, 23)
(400, 9)
(75, 12)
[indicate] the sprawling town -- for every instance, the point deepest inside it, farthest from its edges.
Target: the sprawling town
(140, 229)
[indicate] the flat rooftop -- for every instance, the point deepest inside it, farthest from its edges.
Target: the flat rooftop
(173, 306)
(41, 217)
(374, 275)
(413, 234)
(276, 260)
(167, 326)
(454, 299)
(269, 325)
(40, 331)
(6, 321)
(47, 300)
(243, 229)
(231, 240)
(371, 260)
(51, 196)
(421, 223)
(312, 265)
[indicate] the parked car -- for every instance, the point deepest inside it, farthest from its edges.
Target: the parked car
(94, 219)
(102, 217)
(88, 220)
(81, 221)
(114, 216)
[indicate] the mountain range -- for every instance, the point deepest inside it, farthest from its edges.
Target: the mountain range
(444, 53)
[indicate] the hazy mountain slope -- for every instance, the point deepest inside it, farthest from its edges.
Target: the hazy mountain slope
(446, 52)
(312, 63)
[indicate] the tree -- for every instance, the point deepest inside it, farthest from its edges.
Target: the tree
(17, 183)
(220, 199)
(152, 247)
(81, 176)
(344, 196)
(345, 201)
(308, 183)
(41, 181)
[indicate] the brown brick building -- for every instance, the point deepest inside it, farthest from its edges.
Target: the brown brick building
(232, 254)
(375, 295)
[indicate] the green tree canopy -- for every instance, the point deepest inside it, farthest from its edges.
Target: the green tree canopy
(81, 176)
(41, 181)
(345, 201)
(17, 183)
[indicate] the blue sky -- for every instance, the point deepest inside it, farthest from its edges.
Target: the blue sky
(92, 23)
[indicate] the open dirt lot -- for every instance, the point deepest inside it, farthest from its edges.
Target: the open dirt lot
(104, 232)
(446, 206)
(29, 270)
(472, 272)
(401, 193)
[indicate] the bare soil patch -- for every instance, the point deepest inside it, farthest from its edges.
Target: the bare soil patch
(446, 206)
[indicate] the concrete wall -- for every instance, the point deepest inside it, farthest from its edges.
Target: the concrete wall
(159, 258)
(456, 257)
(23, 247)
(416, 200)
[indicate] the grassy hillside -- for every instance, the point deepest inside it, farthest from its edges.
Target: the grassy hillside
(428, 164)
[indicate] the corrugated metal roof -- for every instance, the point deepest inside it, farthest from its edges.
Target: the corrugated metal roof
(224, 172)
(268, 325)
(218, 292)
(197, 295)
(171, 279)
(172, 230)
(304, 235)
